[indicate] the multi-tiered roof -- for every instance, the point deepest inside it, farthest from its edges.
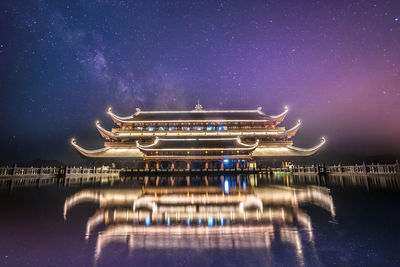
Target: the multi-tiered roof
(198, 134)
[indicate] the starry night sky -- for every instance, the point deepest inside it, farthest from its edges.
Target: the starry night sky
(336, 64)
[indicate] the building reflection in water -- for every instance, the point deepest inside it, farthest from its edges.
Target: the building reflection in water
(203, 217)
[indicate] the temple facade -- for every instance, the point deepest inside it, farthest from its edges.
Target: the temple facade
(213, 138)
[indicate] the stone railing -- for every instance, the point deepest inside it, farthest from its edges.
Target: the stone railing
(7, 171)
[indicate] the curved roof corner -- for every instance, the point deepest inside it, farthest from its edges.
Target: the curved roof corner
(308, 151)
(279, 118)
(105, 133)
(292, 131)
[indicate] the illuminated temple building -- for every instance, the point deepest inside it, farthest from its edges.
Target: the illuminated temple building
(164, 139)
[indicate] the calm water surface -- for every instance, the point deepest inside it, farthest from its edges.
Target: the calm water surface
(216, 221)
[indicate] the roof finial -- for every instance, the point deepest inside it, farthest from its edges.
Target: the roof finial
(259, 110)
(198, 106)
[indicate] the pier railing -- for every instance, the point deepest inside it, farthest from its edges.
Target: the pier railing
(362, 169)
(68, 171)
(56, 171)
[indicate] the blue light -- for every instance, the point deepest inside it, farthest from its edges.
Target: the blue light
(210, 221)
(209, 128)
(150, 129)
(222, 221)
(244, 185)
(226, 161)
(147, 220)
(226, 186)
(168, 221)
(199, 221)
(188, 221)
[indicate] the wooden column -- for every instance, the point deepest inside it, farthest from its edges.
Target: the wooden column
(237, 164)
(147, 164)
(222, 164)
(157, 165)
(206, 165)
(172, 165)
(188, 165)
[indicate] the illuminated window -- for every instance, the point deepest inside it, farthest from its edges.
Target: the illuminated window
(150, 129)
(170, 129)
(222, 128)
(210, 128)
(199, 128)
(161, 128)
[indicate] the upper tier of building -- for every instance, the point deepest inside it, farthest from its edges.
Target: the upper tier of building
(208, 134)
(198, 116)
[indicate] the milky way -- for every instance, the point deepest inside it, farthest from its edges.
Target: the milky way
(62, 63)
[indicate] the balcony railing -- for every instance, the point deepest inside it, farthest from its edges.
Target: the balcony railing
(199, 133)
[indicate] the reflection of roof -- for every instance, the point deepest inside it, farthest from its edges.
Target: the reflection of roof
(187, 144)
(198, 116)
(241, 219)
(198, 238)
(155, 197)
(177, 215)
(104, 197)
(194, 190)
(173, 237)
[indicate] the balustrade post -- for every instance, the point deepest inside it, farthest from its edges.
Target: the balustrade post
(364, 167)
(14, 170)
